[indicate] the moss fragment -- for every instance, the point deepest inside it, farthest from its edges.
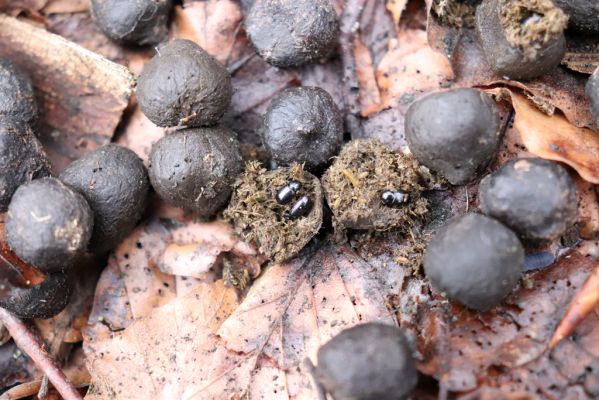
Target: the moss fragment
(258, 217)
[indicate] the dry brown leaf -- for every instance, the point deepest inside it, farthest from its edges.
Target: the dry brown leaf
(15, 7)
(212, 24)
(396, 8)
(554, 138)
(195, 249)
(582, 53)
(162, 355)
(588, 209)
(409, 68)
(83, 94)
(256, 349)
(132, 285)
(585, 301)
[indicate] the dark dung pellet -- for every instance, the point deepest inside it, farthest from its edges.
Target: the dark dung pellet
(22, 159)
(183, 85)
(583, 14)
(48, 224)
(475, 260)
(303, 125)
(536, 198)
(115, 183)
(195, 168)
(521, 39)
(133, 22)
(17, 97)
(365, 362)
(44, 300)
(455, 133)
(291, 33)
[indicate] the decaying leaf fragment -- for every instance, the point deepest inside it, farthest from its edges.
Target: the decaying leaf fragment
(206, 346)
(554, 138)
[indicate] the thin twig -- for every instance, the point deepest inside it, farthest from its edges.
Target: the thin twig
(28, 343)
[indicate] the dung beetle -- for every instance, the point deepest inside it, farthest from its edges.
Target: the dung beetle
(391, 198)
(300, 208)
(286, 193)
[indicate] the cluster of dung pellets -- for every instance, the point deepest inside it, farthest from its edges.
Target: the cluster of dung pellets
(53, 224)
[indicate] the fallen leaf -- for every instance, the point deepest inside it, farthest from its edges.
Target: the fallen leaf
(140, 134)
(376, 28)
(162, 355)
(554, 138)
(582, 53)
(16, 7)
(213, 24)
(409, 68)
(588, 209)
(256, 349)
(66, 6)
(369, 92)
(195, 249)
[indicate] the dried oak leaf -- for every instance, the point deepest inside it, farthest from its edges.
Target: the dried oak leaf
(140, 134)
(132, 285)
(166, 354)
(205, 346)
(65, 6)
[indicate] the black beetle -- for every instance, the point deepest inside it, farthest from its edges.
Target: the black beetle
(286, 193)
(300, 208)
(391, 198)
